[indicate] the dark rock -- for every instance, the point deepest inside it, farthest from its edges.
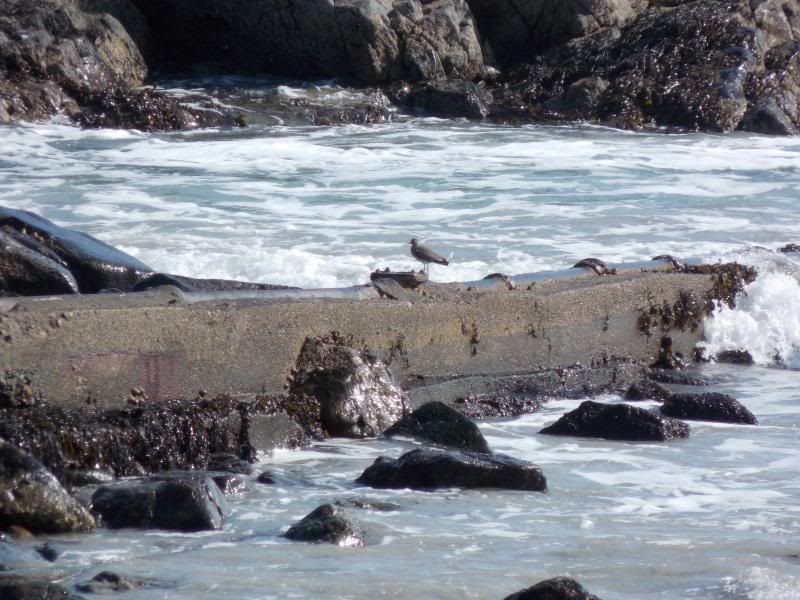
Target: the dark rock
(15, 587)
(667, 359)
(26, 272)
(94, 264)
(735, 357)
(371, 41)
(357, 397)
(230, 463)
(33, 497)
(486, 406)
(617, 422)
(367, 504)
(15, 390)
(190, 284)
(790, 248)
(439, 424)
(768, 118)
(47, 552)
(450, 98)
(177, 504)
(266, 478)
(429, 468)
(328, 524)
(228, 483)
(675, 377)
(558, 588)
(108, 581)
(646, 390)
(712, 406)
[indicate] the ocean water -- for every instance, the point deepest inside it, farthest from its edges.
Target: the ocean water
(716, 516)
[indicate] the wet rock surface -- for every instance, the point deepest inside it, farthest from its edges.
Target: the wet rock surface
(558, 588)
(176, 504)
(712, 406)
(107, 581)
(150, 438)
(442, 425)
(429, 468)
(357, 397)
(621, 422)
(191, 284)
(15, 587)
(31, 496)
(646, 390)
(327, 524)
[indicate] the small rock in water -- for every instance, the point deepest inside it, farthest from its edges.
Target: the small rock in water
(266, 477)
(436, 422)
(646, 390)
(621, 422)
(229, 463)
(108, 581)
(712, 406)
(47, 552)
(329, 524)
(431, 468)
(735, 357)
(558, 588)
(367, 504)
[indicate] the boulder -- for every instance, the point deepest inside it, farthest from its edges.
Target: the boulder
(617, 422)
(711, 406)
(328, 524)
(557, 588)
(448, 98)
(368, 40)
(51, 53)
(429, 468)
(26, 272)
(228, 483)
(442, 425)
(229, 463)
(355, 391)
(94, 264)
(768, 118)
(177, 504)
(15, 587)
(31, 496)
(645, 389)
(514, 30)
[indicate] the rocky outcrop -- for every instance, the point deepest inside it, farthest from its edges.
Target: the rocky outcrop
(621, 422)
(711, 406)
(439, 424)
(429, 468)
(176, 504)
(356, 394)
(514, 30)
(368, 40)
(31, 497)
(327, 524)
(558, 588)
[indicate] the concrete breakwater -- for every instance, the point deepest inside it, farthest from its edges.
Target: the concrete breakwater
(169, 344)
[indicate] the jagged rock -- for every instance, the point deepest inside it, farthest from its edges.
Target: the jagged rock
(369, 40)
(328, 524)
(108, 581)
(15, 587)
(515, 30)
(356, 394)
(558, 588)
(617, 422)
(178, 504)
(430, 468)
(450, 98)
(94, 264)
(50, 51)
(646, 390)
(31, 497)
(711, 406)
(442, 425)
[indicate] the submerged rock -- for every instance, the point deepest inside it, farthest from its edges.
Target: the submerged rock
(356, 394)
(439, 424)
(328, 524)
(711, 406)
(177, 504)
(449, 98)
(558, 588)
(107, 581)
(15, 587)
(429, 468)
(621, 422)
(31, 497)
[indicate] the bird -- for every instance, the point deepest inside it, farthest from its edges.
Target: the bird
(425, 255)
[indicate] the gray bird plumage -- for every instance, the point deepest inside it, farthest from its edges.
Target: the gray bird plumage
(425, 255)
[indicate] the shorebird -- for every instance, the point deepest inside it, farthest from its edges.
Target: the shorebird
(425, 255)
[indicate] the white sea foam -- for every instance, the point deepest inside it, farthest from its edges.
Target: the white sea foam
(759, 583)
